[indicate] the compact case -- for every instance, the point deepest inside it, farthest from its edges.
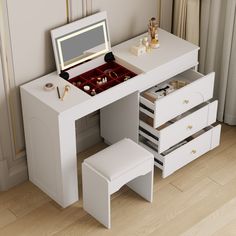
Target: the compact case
(83, 56)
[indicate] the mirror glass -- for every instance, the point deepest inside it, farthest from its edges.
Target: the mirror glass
(85, 44)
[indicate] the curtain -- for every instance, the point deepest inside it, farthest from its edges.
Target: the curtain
(212, 24)
(186, 19)
(218, 53)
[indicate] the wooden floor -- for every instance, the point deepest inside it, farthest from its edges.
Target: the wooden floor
(199, 199)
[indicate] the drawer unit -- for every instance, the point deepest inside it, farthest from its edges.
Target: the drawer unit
(186, 151)
(181, 127)
(199, 89)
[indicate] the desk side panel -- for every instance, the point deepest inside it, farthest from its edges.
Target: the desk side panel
(44, 154)
(121, 119)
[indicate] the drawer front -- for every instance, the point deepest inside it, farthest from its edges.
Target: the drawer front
(183, 99)
(182, 128)
(190, 151)
(187, 126)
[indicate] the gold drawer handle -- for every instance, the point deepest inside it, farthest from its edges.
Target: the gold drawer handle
(186, 101)
(194, 151)
(189, 127)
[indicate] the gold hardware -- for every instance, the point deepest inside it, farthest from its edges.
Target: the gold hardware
(189, 127)
(113, 74)
(186, 101)
(66, 90)
(194, 151)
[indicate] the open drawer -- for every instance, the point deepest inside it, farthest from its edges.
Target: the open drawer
(193, 90)
(185, 151)
(179, 128)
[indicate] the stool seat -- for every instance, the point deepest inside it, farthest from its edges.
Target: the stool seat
(104, 173)
(119, 158)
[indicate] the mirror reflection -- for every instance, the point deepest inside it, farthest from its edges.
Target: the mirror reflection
(82, 45)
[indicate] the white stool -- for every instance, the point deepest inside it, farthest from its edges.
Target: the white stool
(107, 171)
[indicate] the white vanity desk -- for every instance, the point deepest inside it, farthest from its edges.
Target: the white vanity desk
(49, 123)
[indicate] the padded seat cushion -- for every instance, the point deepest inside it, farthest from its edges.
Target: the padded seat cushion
(118, 158)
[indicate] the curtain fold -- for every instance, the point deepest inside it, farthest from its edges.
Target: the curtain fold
(186, 20)
(212, 24)
(218, 53)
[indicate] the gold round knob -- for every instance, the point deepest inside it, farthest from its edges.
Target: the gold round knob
(194, 151)
(186, 101)
(189, 127)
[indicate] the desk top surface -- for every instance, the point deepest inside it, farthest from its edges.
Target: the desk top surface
(171, 48)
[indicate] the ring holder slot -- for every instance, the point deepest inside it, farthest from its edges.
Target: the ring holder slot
(77, 81)
(94, 91)
(111, 72)
(126, 77)
(86, 84)
(119, 72)
(92, 74)
(108, 85)
(96, 80)
(108, 66)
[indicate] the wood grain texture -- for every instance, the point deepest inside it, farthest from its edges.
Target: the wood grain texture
(199, 199)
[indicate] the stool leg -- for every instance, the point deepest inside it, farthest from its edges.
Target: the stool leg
(96, 197)
(143, 185)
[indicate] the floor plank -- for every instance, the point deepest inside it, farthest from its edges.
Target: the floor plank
(6, 217)
(228, 230)
(194, 214)
(214, 221)
(199, 199)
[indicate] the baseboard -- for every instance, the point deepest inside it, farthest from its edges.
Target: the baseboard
(3, 175)
(10, 177)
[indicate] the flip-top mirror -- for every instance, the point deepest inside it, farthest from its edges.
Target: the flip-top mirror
(80, 41)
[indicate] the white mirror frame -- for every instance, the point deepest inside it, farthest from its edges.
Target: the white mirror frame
(75, 28)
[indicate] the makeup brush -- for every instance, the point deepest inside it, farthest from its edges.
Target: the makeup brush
(66, 90)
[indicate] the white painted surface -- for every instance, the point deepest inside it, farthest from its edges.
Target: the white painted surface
(26, 53)
(188, 152)
(126, 18)
(185, 154)
(215, 140)
(171, 48)
(97, 204)
(45, 105)
(121, 119)
(29, 47)
(198, 91)
(182, 128)
(125, 162)
(51, 151)
(152, 61)
(74, 27)
(30, 23)
(187, 126)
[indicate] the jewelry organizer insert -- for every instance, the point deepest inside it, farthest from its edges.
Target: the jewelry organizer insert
(102, 78)
(81, 48)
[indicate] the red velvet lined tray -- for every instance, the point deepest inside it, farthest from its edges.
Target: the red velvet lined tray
(113, 72)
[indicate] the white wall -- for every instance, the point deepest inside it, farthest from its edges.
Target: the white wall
(126, 18)
(27, 47)
(26, 54)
